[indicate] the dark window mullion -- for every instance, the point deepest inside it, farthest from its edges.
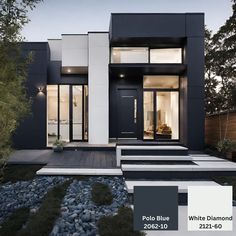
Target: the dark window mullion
(58, 111)
(71, 112)
(83, 113)
(155, 113)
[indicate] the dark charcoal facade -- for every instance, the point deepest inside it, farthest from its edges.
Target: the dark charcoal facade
(185, 31)
(144, 80)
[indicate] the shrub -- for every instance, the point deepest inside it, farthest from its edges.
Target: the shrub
(101, 194)
(42, 222)
(120, 224)
(225, 145)
(17, 172)
(15, 222)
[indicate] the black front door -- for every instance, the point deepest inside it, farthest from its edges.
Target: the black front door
(127, 113)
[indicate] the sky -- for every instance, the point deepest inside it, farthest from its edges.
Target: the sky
(52, 18)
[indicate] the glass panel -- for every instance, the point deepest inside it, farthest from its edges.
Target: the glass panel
(161, 81)
(64, 113)
(167, 55)
(85, 112)
(77, 107)
(148, 116)
(129, 55)
(52, 119)
(167, 115)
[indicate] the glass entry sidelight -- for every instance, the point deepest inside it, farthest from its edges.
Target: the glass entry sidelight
(161, 115)
(79, 113)
(148, 114)
(161, 107)
(67, 113)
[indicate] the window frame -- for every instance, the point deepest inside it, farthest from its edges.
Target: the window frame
(149, 55)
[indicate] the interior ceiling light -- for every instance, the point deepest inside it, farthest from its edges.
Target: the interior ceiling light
(68, 70)
(122, 75)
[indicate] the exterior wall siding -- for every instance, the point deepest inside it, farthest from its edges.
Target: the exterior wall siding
(194, 58)
(55, 49)
(216, 124)
(75, 50)
(31, 134)
(98, 84)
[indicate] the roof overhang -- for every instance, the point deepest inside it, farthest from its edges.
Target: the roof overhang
(147, 69)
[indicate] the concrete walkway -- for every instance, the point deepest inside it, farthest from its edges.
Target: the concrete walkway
(66, 159)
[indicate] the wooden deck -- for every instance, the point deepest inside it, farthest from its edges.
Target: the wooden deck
(66, 159)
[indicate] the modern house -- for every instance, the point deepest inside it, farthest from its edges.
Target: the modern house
(143, 80)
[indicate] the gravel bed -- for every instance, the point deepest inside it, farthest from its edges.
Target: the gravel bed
(79, 214)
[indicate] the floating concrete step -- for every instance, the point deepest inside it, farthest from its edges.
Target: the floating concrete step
(182, 185)
(205, 158)
(156, 158)
(198, 166)
(157, 162)
(136, 167)
(199, 170)
(153, 147)
(153, 150)
(158, 152)
(78, 171)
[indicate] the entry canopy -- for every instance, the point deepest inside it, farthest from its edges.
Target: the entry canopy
(147, 69)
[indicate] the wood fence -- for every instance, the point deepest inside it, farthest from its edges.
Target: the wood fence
(216, 124)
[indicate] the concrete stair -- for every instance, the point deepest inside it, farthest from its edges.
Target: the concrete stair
(169, 166)
(151, 153)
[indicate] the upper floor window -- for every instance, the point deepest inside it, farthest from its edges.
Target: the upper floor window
(166, 55)
(129, 55)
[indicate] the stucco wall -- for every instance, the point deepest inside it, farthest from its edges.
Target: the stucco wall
(98, 84)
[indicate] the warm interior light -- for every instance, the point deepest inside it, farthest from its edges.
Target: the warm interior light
(68, 70)
(122, 75)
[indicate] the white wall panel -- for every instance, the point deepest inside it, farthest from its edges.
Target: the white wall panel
(55, 49)
(98, 88)
(75, 50)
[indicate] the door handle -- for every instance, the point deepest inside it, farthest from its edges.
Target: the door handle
(135, 110)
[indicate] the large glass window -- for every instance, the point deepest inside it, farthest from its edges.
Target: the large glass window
(67, 113)
(52, 111)
(161, 81)
(129, 55)
(166, 55)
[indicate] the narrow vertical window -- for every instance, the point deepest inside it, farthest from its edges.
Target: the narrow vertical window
(77, 112)
(64, 113)
(52, 113)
